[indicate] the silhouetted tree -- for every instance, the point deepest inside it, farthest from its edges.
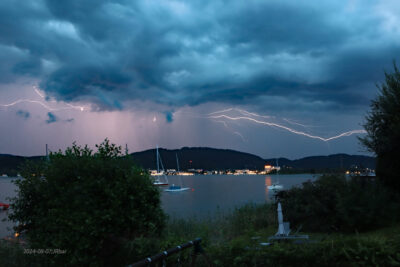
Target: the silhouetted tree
(90, 204)
(383, 130)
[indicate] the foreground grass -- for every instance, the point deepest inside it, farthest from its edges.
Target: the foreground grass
(349, 250)
(233, 240)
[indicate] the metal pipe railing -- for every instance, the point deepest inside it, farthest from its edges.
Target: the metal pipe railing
(163, 255)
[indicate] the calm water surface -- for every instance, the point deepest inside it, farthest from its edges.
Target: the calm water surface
(222, 192)
(208, 194)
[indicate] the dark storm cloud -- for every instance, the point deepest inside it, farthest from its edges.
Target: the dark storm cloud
(179, 53)
(100, 82)
(51, 118)
(281, 27)
(23, 114)
(169, 116)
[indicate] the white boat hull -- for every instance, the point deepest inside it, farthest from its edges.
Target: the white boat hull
(160, 183)
(275, 187)
(177, 189)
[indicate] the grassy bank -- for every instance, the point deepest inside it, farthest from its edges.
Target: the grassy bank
(350, 223)
(233, 240)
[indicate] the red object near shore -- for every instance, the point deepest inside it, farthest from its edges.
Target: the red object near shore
(4, 205)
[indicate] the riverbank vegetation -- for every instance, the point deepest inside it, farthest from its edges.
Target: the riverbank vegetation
(233, 239)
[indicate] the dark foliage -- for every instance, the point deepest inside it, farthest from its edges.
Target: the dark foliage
(383, 130)
(92, 205)
(334, 203)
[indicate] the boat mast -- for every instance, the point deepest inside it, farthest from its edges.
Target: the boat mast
(277, 164)
(158, 167)
(47, 152)
(277, 171)
(177, 162)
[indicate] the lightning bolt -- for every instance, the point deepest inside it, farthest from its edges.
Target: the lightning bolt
(221, 111)
(38, 92)
(241, 136)
(244, 112)
(218, 116)
(241, 111)
(234, 132)
(28, 101)
(43, 104)
(224, 123)
(81, 108)
(272, 124)
(297, 123)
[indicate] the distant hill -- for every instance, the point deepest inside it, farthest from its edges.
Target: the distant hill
(219, 159)
(9, 163)
(222, 159)
(336, 161)
(199, 158)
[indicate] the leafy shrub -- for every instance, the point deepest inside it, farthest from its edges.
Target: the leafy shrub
(88, 204)
(334, 203)
(383, 130)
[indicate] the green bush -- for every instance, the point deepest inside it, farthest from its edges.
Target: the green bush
(92, 205)
(334, 203)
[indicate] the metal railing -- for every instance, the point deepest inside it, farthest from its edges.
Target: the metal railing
(160, 258)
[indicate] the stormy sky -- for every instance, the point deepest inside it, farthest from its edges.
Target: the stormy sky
(273, 78)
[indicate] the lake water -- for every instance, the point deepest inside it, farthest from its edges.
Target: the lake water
(208, 194)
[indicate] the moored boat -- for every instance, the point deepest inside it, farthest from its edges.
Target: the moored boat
(157, 181)
(176, 188)
(276, 186)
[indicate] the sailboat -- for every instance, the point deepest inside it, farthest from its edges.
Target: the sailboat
(157, 180)
(177, 188)
(276, 186)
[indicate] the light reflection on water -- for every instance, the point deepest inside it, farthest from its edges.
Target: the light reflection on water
(209, 194)
(268, 182)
